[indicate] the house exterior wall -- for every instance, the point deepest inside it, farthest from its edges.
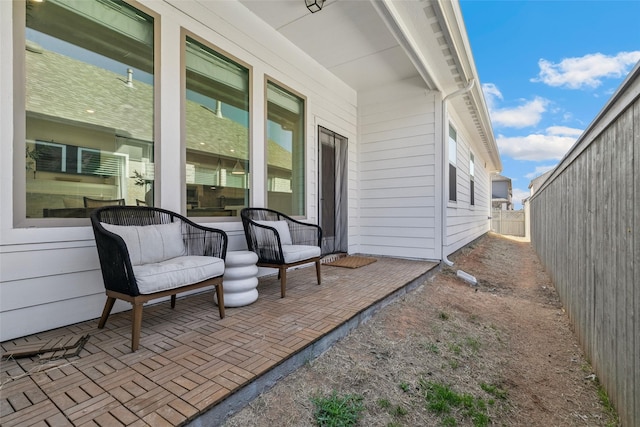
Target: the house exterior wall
(466, 222)
(500, 189)
(397, 171)
(50, 276)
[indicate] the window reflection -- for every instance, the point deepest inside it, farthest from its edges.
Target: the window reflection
(89, 106)
(285, 151)
(217, 133)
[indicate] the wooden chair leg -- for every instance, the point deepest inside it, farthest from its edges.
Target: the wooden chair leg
(136, 318)
(220, 296)
(173, 301)
(283, 281)
(318, 272)
(108, 306)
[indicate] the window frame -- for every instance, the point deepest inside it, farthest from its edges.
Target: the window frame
(19, 143)
(472, 179)
(184, 189)
(453, 168)
(268, 80)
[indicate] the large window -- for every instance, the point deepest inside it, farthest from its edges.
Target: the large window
(285, 151)
(453, 155)
(89, 106)
(217, 132)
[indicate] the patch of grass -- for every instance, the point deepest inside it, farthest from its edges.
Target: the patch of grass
(399, 411)
(494, 390)
(449, 421)
(384, 403)
(431, 348)
(443, 316)
(455, 349)
(607, 405)
(442, 400)
(473, 344)
(404, 386)
(337, 410)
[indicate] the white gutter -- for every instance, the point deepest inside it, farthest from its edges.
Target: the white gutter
(445, 141)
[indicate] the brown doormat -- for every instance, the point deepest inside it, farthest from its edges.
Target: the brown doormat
(352, 261)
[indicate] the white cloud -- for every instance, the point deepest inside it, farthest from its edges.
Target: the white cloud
(539, 171)
(491, 92)
(551, 145)
(564, 130)
(527, 114)
(586, 71)
(517, 195)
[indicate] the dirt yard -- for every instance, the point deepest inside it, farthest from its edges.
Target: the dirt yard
(503, 350)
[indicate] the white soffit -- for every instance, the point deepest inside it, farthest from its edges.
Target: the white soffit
(346, 37)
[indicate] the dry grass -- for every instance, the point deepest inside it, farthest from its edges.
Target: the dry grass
(505, 342)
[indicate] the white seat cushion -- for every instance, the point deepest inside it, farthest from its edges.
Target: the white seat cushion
(281, 227)
(150, 243)
(295, 253)
(176, 272)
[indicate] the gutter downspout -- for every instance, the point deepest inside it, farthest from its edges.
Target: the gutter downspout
(445, 139)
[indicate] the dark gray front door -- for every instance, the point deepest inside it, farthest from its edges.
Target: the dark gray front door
(333, 191)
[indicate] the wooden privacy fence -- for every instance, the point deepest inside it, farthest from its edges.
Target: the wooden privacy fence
(585, 226)
(508, 222)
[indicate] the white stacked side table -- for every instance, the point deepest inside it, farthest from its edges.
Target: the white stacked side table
(240, 280)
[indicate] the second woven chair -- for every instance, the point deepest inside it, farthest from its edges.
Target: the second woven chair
(281, 242)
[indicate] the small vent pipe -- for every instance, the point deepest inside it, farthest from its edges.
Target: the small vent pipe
(129, 77)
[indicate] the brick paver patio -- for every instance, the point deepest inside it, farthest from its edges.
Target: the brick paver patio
(192, 367)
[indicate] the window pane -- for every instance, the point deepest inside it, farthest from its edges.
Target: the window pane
(453, 154)
(453, 183)
(89, 106)
(453, 146)
(217, 132)
(285, 151)
(472, 165)
(472, 172)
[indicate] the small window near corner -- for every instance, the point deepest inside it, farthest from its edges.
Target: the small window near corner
(472, 191)
(453, 154)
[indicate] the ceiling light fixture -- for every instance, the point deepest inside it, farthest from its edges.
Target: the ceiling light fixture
(314, 5)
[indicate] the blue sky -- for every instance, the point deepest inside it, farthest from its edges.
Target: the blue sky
(547, 68)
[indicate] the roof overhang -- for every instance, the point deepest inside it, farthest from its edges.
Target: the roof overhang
(369, 44)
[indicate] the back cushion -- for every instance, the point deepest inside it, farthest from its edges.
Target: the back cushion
(150, 243)
(282, 228)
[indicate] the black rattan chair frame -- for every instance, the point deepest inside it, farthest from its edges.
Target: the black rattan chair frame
(97, 203)
(269, 247)
(117, 271)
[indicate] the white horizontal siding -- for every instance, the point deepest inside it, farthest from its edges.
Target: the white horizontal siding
(28, 261)
(50, 277)
(397, 171)
(19, 323)
(466, 222)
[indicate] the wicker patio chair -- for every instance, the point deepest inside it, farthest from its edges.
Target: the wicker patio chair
(98, 203)
(281, 242)
(147, 253)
